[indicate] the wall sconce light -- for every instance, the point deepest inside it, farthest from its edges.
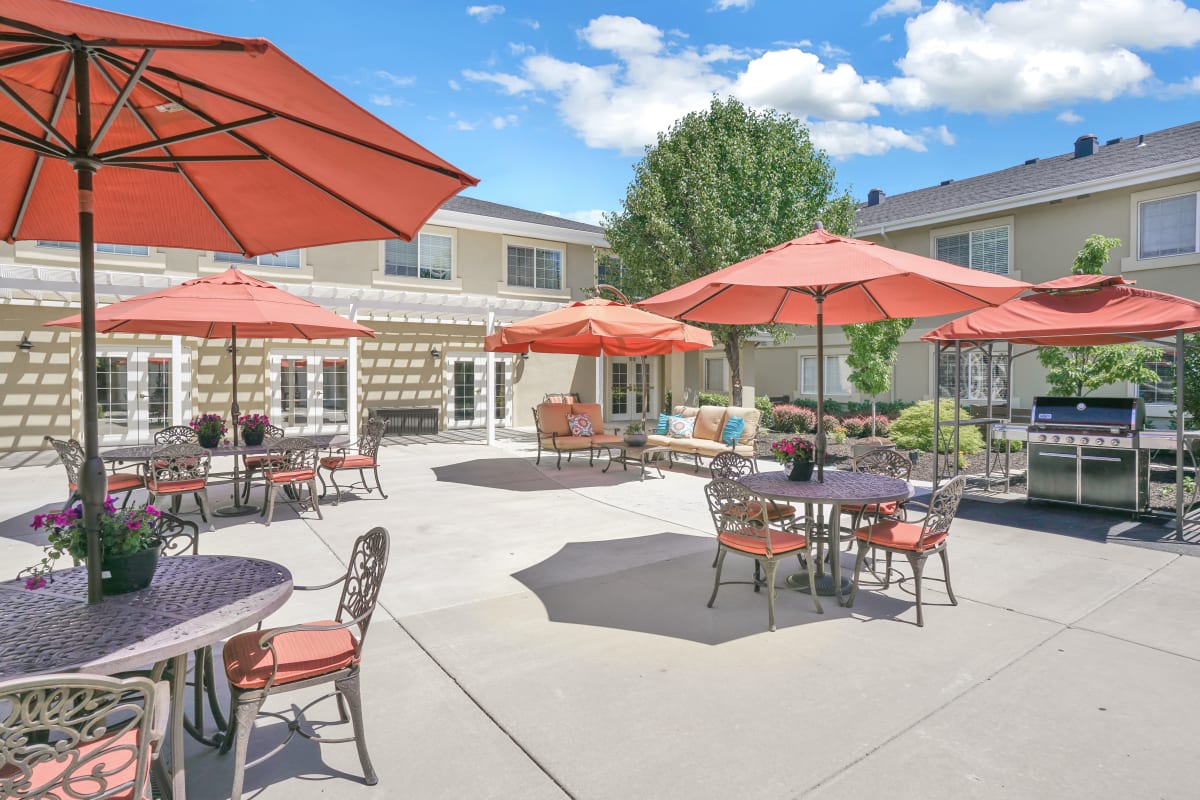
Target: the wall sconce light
(25, 345)
(525, 356)
(434, 353)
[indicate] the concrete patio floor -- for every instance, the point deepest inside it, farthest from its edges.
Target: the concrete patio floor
(543, 634)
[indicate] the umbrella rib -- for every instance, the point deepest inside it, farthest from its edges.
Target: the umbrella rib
(60, 102)
(871, 296)
(27, 142)
(170, 75)
(179, 170)
(115, 155)
(29, 55)
(122, 99)
(32, 113)
(71, 41)
(149, 161)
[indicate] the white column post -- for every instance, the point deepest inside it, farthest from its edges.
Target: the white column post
(600, 383)
(177, 394)
(352, 376)
(491, 383)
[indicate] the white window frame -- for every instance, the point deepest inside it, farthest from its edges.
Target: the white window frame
(503, 287)
(1132, 262)
(716, 366)
(843, 389)
(315, 422)
(973, 380)
(424, 272)
(33, 251)
(238, 259)
(134, 250)
(977, 228)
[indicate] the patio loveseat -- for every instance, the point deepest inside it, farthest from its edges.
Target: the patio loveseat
(708, 428)
(554, 430)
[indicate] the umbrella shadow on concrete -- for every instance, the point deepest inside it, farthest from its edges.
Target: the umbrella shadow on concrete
(522, 475)
(660, 584)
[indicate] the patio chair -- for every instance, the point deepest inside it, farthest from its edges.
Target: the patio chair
(881, 461)
(79, 735)
(180, 469)
(743, 528)
(176, 434)
(262, 663)
(730, 467)
(253, 463)
(290, 464)
(915, 542)
(70, 452)
(366, 458)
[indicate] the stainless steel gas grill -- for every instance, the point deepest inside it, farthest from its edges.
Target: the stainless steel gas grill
(1085, 450)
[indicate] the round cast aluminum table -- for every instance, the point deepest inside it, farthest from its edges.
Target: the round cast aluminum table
(194, 601)
(852, 488)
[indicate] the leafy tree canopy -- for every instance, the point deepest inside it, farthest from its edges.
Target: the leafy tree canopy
(720, 186)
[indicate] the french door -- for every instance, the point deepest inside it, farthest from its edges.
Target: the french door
(310, 391)
(466, 391)
(628, 388)
(136, 393)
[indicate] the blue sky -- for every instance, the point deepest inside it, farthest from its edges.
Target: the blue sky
(551, 103)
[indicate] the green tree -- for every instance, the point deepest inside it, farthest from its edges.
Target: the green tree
(1081, 370)
(720, 186)
(873, 355)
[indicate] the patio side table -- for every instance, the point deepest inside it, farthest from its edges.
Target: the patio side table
(193, 601)
(644, 456)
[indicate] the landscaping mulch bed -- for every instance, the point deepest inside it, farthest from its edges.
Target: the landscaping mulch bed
(1162, 469)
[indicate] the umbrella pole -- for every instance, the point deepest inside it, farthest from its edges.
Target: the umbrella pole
(237, 509)
(820, 298)
(93, 484)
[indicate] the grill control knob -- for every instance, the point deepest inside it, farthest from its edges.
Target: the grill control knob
(1115, 442)
(1083, 440)
(1041, 437)
(1070, 440)
(1054, 438)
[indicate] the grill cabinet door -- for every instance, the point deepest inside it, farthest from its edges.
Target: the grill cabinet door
(1052, 473)
(1109, 478)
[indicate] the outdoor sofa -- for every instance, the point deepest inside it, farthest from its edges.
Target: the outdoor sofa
(708, 426)
(554, 430)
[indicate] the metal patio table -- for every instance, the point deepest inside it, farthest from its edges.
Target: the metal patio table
(838, 489)
(193, 601)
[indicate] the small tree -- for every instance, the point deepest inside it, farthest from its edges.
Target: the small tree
(1080, 370)
(720, 186)
(873, 355)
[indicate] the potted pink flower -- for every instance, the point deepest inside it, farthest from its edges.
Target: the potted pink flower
(797, 451)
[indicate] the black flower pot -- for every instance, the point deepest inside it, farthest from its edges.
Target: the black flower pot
(128, 573)
(253, 436)
(635, 439)
(801, 470)
(207, 440)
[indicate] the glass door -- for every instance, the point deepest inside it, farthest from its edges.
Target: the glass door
(466, 391)
(627, 388)
(136, 394)
(310, 391)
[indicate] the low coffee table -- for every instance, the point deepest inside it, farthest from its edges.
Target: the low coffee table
(643, 456)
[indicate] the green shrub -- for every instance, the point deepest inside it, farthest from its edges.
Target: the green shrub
(998, 446)
(713, 399)
(765, 407)
(913, 429)
(883, 425)
(835, 434)
(892, 408)
(793, 419)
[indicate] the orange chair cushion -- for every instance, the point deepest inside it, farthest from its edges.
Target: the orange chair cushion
(119, 482)
(607, 438)
(117, 767)
(552, 418)
(898, 535)
(175, 487)
(292, 476)
(255, 461)
(347, 462)
(302, 654)
(887, 509)
(781, 542)
(593, 413)
(774, 510)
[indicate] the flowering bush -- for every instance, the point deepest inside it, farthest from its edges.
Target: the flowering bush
(793, 419)
(122, 532)
(253, 422)
(793, 449)
(209, 425)
(857, 426)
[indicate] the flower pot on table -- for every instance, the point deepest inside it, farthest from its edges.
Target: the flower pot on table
(253, 436)
(128, 573)
(208, 440)
(801, 471)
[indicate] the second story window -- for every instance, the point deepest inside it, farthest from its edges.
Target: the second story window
(609, 269)
(1168, 227)
(427, 256)
(288, 259)
(534, 267)
(985, 249)
(112, 249)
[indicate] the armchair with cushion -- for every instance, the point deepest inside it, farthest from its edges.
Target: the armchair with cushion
(262, 663)
(253, 462)
(572, 428)
(290, 464)
(180, 469)
(70, 453)
(360, 456)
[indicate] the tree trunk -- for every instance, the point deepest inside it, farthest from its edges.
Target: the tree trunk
(733, 354)
(872, 416)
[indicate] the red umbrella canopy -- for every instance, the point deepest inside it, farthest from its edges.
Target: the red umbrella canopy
(213, 306)
(199, 140)
(599, 327)
(856, 281)
(1078, 310)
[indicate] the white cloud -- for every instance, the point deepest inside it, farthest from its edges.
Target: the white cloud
(942, 134)
(594, 216)
(1069, 117)
(833, 52)
(519, 48)
(463, 125)
(841, 139)
(500, 123)
(628, 37)
(395, 80)
(798, 83)
(533, 23)
(1184, 87)
(485, 13)
(512, 84)
(894, 7)
(725, 5)
(380, 100)
(454, 85)
(887, 37)
(1028, 54)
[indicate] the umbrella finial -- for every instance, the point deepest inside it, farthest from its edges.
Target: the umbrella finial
(817, 226)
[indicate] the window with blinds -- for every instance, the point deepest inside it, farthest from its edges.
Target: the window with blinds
(288, 259)
(1168, 227)
(985, 249)
(427, 256)
(534, 267)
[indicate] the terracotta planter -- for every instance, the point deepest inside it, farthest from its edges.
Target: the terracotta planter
(128, 573)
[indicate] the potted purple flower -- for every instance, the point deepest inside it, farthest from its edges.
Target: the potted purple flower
(798, 452)
(209, 429)
(253, 427)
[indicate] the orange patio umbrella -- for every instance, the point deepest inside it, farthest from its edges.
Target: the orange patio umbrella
(136, 132)
(823, 278)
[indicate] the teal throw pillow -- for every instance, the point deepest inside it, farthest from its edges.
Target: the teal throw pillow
(733, 430)
(664, 425)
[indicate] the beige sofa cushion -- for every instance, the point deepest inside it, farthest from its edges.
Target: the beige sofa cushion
(552, 418)
(592, 412)
(658, 440)
(685, 411)
(752, 416)
(709, 420)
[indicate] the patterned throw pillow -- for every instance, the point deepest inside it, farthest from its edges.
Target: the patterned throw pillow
(682, 427)
(733, 430)
(664, 425)
(580, 424)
